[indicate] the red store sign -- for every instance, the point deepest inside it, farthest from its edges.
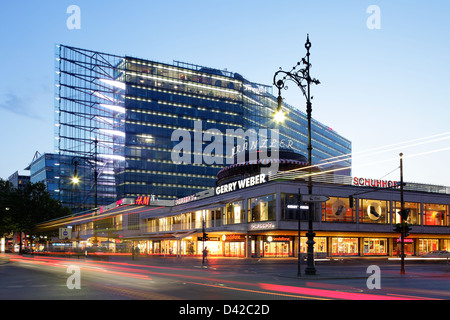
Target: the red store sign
(407, 240)
(365, 182)
(142, 201)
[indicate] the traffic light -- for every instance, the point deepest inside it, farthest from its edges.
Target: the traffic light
(398, 228)
(404, 214)
(205, 236)
(407, 230)
(351, 201)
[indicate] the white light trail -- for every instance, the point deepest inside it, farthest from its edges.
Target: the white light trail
(113, 107)
(114, 132)
(114, 83)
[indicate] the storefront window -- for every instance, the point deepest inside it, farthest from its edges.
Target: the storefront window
(186, 221)
(435, 214)
(289, 207)
(319, 247)
(262, 208)
(214, 247)
(198, 219)
(234, 249)
(278, 246)
(428, 245)
(373, 246)
(234, 213)
(337, 210)
(413, 218)
(344, 246)
(446, 245)
(408, 244)
(213, 217)
(373, 211)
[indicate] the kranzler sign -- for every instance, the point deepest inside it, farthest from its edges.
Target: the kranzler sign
(241, 184)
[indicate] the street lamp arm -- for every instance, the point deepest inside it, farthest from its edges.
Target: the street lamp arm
(288, 76)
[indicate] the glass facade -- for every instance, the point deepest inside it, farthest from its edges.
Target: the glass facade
(344, 246)
(124, 111)
(435, 214)
(162, 98)
(89, 115)
(338, 210)
(414, 213)
(45, 168)
(262, 208)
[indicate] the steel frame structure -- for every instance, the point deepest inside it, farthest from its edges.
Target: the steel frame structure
(89, 124)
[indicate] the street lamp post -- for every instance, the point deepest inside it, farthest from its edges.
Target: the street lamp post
(402, 204)
(76, 180)
(299, 77)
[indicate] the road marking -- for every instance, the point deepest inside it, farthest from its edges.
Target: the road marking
(256, 291)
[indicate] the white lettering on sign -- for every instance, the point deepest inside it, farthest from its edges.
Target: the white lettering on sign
(375, 183)
(262, 226)
(185, 200)
(241, 184)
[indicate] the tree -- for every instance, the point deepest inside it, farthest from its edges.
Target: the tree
(24, 208)
(6, 194)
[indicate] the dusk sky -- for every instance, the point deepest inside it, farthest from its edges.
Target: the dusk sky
(383, 66)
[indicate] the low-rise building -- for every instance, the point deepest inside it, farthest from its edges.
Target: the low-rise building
(250, 214)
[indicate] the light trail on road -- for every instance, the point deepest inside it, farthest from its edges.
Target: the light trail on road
(209, 279)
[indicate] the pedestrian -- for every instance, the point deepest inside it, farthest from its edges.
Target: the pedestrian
(137, 252)
(205, 255)
(132, 252)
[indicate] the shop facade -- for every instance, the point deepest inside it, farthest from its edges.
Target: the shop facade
(261, 220)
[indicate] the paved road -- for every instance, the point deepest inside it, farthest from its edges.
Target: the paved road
(218, 283)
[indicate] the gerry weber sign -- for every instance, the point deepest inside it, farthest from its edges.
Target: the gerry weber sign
(241, 184)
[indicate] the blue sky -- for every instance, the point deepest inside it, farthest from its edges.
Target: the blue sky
(379, 87)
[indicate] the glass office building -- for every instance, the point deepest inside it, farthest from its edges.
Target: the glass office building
(117, 119)
(45, 168)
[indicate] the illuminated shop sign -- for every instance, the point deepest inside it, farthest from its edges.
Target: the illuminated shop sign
(262, 226)
(264, 143)
(294, 206)
(407, 240)
(231, 237)
(185, 200)
(241, 184)
(276, 238)
(143, 201)
(375, 183)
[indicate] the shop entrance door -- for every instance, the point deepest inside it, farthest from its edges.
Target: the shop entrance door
(234, 249)
(276, 249)
(409, 249)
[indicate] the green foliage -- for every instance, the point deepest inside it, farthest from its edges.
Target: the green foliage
(21, 209)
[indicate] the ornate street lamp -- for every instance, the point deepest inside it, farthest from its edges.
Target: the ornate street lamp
(300, 75)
